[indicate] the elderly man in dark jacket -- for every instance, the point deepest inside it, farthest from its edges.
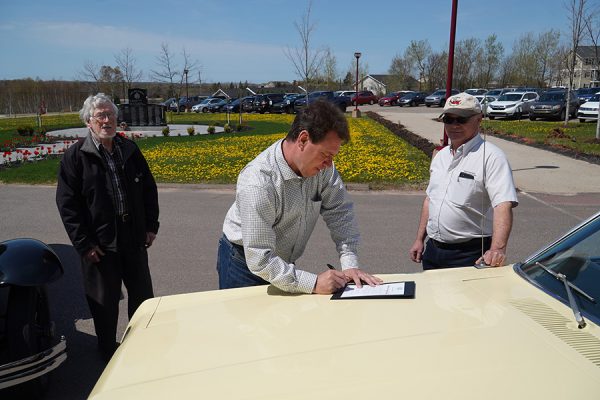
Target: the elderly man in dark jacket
(108, 202)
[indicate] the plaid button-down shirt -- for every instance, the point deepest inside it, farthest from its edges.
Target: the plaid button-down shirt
(115, 164)
(275, 212)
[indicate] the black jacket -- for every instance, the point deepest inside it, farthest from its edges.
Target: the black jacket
(85, 201)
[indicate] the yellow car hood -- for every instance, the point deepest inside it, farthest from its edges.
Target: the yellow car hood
(468, 334)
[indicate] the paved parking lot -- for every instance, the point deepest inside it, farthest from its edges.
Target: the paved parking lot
(182, 260)
(183, 257)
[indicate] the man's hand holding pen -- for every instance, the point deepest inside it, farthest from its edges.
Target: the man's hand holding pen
(332, 280)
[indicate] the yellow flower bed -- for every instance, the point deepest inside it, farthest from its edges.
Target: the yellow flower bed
(374, 155)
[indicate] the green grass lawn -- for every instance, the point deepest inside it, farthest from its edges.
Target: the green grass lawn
(578, 137)
(374, 156)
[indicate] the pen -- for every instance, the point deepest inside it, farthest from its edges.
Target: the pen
(330, 267)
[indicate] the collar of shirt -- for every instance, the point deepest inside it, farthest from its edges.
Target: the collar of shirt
(464, 149)
(286, 171)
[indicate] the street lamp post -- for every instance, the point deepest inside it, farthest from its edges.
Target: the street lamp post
(187, 93)
(356, 112)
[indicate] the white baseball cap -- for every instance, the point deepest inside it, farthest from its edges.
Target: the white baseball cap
(463, 105)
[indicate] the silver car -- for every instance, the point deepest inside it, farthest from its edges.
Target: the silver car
(512, 105)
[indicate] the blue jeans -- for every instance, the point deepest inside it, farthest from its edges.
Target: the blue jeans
(435, 257)
(232, 268)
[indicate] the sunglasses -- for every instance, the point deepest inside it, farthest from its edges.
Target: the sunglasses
(458, 120)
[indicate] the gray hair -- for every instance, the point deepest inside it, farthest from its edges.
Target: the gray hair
(93, 102)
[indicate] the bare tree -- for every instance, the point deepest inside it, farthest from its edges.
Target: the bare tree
(417, 53)
(401, 73)
(109, 79)
(524, 61)
(91, 73)
(592, 27)
(329, 69)
(435, 72)
(465, 61)
(127, 63)
(306, 61)
(546, 50)
(490, 57)
(189, 68)
(167, 70)
(576, 10)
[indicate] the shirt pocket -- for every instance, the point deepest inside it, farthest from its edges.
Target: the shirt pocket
(465, 192)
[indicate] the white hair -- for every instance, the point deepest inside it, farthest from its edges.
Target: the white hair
(93, 102)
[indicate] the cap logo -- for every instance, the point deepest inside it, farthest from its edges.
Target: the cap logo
(455, 102)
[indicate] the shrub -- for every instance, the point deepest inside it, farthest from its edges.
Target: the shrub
(239, 127)
(191, 131)
(211, 129)
(217, 124)
(25, 131)
(165, 131)
(227, 128)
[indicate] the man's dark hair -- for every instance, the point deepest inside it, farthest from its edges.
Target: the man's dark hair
(319, 118)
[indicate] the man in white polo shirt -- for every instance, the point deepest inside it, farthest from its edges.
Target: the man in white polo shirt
(468, 209)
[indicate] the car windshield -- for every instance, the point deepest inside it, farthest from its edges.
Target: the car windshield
(595, 97)
(510, 97)
(439, 93)
(555, 96)
(494, 92)
(577, 256)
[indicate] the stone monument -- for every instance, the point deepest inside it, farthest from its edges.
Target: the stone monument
(139, 113)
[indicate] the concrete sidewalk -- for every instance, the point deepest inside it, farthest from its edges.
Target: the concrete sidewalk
(534, 170)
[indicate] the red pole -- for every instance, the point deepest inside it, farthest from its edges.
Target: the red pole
(450, 59)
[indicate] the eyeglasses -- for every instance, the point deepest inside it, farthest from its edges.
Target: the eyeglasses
(103, 116)
(458, 120)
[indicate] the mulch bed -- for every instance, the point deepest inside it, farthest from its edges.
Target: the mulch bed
(427, 147)
(399, 130)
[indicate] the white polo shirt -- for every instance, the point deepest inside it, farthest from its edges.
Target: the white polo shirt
(458, 196)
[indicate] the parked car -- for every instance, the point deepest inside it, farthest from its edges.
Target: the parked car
(588, 111)
(412, 99)
(495, 93)
(217, 106)
(263, 102)
(341, 101)
(348, 93)
(170, 104)
(203, 106)
(287, 104)
(247, 104)
(584, 94)
(553, 104)
(29, 348)
(511, 104)
(188, 103)
(389, 99)
(484, 100)
(363, 97)
(525, 331)
(233, 106)
(438, 98)
(476, 92)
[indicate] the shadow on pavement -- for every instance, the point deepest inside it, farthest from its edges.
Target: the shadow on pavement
(70, 312)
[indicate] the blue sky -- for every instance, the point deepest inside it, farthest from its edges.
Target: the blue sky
(239, 40)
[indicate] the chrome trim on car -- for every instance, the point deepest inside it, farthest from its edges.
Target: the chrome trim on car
(29, 368)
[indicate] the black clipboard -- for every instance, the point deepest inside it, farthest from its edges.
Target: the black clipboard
(408, 293)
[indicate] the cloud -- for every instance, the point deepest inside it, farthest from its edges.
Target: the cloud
(112, 38)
